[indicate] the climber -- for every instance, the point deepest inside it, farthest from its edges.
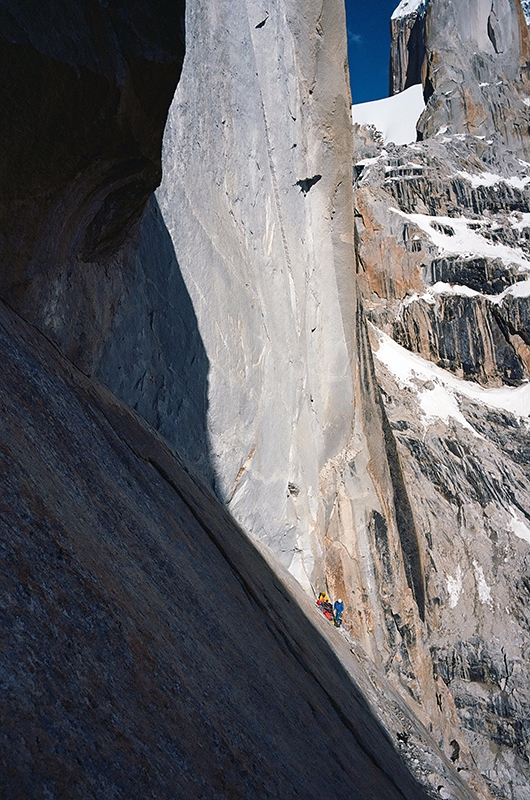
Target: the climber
(323, 597)
(338, 609)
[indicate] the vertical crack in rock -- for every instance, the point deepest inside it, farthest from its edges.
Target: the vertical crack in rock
(400, 505)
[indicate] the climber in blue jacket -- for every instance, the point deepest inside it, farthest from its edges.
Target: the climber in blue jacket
(338, 608)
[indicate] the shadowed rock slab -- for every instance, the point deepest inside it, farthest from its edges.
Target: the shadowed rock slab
(147, 649)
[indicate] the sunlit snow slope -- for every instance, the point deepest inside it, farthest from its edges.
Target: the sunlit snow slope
(395, 117)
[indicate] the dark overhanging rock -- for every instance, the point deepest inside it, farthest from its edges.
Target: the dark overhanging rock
(85, 94)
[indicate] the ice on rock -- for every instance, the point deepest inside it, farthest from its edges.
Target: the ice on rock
(484, 591)
(454, 587)
(461, 239)
(518, 527)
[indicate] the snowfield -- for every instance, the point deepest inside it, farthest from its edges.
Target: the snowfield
(491, 179)
(395, 117)
(521, 289)
(438, 397)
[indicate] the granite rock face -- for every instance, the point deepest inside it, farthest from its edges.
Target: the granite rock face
(148, 649)
(475, 72)
(256, 195)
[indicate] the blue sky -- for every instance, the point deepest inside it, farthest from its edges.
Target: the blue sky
(369, 47)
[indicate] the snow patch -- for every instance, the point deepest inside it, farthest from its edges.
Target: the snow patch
(518, 527)
(440, 403)
(410, 369)
(395, 117)
(454, 587)
(520, 289)
(366, 162)
(491, 179)
(456, 289)
(484, 591)
(520, 220)
(463, 241)
(407, 7)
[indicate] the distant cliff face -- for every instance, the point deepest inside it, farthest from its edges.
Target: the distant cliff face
(407, 44)
(476, 70)
(473, 60)
(444, 263)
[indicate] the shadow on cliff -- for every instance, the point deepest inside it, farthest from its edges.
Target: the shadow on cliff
(153, 357)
